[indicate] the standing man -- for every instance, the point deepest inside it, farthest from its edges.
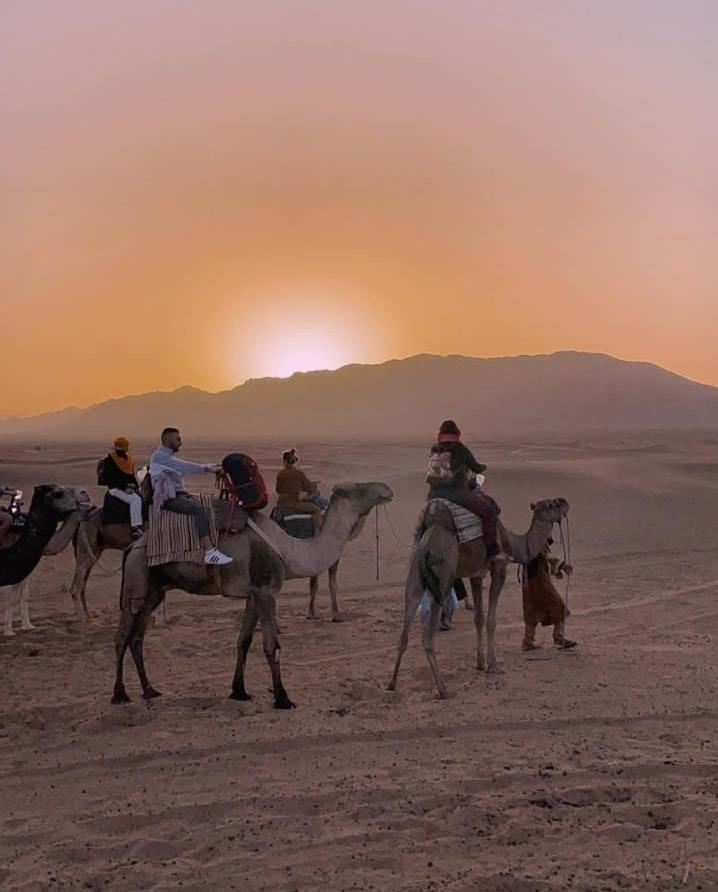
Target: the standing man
(541, 602)
(166, 473)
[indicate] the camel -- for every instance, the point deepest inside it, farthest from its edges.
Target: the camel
(94, 537)
(51, 505)
(264, 557)
(439, 559)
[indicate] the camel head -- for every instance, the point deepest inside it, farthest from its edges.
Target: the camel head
(551, 509)
(60, 501)
(363, 496)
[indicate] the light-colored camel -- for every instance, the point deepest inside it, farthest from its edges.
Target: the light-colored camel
(439, 559)
(264, 558)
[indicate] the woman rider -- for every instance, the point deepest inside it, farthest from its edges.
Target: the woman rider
(457, 488)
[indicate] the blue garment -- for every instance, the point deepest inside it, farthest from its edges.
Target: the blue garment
(164, 461)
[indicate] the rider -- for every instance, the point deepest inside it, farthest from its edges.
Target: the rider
(461, 488)
(170, 495)
(118, 474)
(295, 490)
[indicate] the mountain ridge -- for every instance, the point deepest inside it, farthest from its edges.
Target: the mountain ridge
(562, 391)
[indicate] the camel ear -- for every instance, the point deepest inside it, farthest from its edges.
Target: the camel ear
(533, 506)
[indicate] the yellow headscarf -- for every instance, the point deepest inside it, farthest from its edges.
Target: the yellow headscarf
(124, 463)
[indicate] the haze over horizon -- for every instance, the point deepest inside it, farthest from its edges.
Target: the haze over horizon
(197, 194)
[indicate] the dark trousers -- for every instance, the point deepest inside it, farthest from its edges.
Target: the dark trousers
(184, 503)
(478, 504)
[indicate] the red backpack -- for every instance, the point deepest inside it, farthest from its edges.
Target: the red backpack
(247, 483)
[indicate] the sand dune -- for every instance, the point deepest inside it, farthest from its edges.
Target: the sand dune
(592, 770)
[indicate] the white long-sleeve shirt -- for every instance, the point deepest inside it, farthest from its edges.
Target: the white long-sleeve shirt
(164, 461)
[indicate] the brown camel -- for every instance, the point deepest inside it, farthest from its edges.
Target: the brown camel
(439, 559)
(264, 556)
(95, 537)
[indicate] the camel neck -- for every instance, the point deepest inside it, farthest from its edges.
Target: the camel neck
(524, 548)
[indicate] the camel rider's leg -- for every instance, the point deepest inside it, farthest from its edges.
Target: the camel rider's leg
(183, 503)
(529, 642)
(477, 504)
(134, 501)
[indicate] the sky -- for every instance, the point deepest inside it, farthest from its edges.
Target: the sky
(203, 192)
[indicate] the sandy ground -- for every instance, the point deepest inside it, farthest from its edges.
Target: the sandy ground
(595, 769)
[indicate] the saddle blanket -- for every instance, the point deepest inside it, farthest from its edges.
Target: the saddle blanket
(467, 524)
(172, 537)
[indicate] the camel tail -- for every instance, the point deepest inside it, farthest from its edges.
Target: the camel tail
(438, 555)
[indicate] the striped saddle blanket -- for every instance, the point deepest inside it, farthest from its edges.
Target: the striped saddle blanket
(172, 537)
(467, 525)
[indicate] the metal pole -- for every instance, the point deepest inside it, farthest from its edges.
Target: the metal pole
(376, 534)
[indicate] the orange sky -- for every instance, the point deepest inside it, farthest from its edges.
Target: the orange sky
(201, 192)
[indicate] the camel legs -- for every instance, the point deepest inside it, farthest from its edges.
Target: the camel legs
(336, 615)
(9, 610)
(25, 606)
(430, 628)
(262, 607)
(130, 633)
(498, 578)
(313, 589)
(477, 592)
(244, 642)
(84, 562)
(267, 611)
(412, 597)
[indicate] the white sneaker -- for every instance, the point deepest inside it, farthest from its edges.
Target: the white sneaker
(216, 558)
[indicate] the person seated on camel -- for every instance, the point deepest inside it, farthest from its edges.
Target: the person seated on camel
(166, 474)
(296, 491)
(456, 482)
(118, 475)
(541, 602)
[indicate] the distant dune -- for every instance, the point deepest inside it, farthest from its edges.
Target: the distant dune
(561, 392)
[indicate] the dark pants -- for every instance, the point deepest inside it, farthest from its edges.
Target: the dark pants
(478, 504)
(184, 503)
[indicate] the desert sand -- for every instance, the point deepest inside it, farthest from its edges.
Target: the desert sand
(595, 769)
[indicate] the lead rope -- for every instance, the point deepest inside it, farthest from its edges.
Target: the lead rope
(566, 545)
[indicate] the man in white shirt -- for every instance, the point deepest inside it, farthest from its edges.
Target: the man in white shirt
(166, 473)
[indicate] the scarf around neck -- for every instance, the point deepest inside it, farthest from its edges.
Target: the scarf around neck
(126, 464)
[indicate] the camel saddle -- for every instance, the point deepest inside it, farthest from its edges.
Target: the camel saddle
(442, 512)
(293, 522)
(172, 537)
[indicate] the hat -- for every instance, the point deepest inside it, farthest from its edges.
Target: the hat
(122, 443)
(449, 427)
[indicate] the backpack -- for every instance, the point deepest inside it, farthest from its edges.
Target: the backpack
(439, 471)
(101, 479)
(247, 480)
